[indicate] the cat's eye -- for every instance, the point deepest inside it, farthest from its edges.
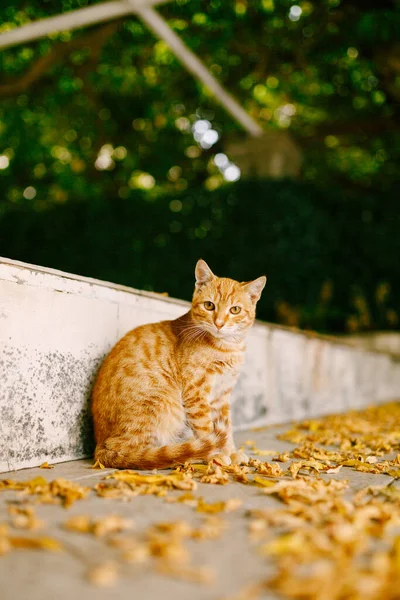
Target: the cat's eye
(235, 310)
(209, 305)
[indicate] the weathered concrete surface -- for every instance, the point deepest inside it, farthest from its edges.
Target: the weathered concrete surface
(380, 341)
(43, 575)
(55, 329)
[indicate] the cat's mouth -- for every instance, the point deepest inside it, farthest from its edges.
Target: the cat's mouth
(222, 334)
(218, 333)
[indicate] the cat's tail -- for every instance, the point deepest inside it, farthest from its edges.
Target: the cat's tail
(120, 453)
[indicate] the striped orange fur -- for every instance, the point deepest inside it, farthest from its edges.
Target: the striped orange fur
(162, 394)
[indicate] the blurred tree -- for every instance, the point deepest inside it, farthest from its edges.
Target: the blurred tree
(328, 71)
(108, 112)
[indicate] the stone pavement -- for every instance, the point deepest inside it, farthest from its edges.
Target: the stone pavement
(44, 575)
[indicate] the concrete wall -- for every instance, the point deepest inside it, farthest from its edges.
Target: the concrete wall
(380, 341)
(55, 328)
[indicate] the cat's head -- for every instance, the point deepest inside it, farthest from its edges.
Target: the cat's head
(224, 307)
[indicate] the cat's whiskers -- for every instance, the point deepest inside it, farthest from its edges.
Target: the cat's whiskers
(225, 335)
(192, 333)
(185, 328)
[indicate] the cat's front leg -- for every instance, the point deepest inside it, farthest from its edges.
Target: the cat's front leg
(197, 407)
(222, 412)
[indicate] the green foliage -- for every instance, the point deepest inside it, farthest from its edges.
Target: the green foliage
(95, 129)
(331, 77)
(330, 266)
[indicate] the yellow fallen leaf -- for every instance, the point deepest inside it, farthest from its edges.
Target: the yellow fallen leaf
(79, 523)
(137, 554)
(68, 491)
(169, 549)
(266, 468)
(215, 507)
(104, 574)
(186, 498)
(40, 543)
(57, 490)
(97, 465)
(352, 462)
(190, 468)
(263, 482)
(313, 464)
(24, 517)
(334, 469)
(110, 524)
(393, 473)
(35, 485)
(265, 452)
(216, 474)
(202, 575)
(98, 527)
(282, 457)
(288, 543)
(46, 465)
(176, 480)
(239, 474)
(211, 528)
(175, 529)
(313, 425)
(5, 545)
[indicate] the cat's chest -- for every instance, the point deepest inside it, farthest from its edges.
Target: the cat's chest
(222, 383)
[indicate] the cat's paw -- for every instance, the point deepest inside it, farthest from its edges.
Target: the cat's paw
(239, 458)
(222, 459)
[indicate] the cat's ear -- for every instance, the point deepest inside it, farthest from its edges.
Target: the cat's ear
(203, 272)
(254, 288)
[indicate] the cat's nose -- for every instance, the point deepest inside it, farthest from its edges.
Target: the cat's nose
(219, 323)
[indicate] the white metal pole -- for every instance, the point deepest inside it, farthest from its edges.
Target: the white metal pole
(74, 19)
(193, 64)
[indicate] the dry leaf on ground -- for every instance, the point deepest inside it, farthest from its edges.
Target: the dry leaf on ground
(24, 518)
(31, 543)
(57, 491)
(99, 527)
(215, 507)
(104, 574)
(97, 465)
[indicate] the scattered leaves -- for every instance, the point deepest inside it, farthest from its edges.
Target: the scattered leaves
(98, 527)
(226, 506)
(266, 468)
(186, 498)
(326, 542)
(57, 491)
(24, 518)
(129, 484)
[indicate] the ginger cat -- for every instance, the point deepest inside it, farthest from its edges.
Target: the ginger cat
(162, 394)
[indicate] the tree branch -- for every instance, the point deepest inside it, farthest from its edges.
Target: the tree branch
(95, 40)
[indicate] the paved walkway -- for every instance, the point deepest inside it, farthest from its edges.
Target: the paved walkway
(45, 574)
